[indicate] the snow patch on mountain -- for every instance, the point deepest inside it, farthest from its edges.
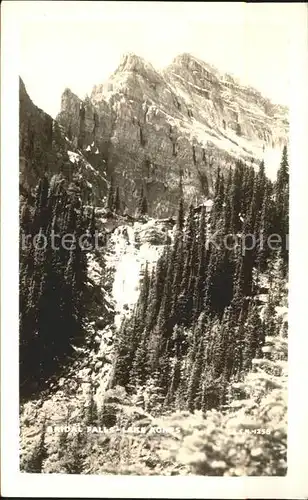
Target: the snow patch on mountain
(187, 117)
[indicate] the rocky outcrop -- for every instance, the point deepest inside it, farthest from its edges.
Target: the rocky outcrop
(151, 127)
(219, 102)
(148, 128)
(45, 149)
(35, 140)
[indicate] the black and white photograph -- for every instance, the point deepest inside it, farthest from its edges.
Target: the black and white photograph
(154, 158)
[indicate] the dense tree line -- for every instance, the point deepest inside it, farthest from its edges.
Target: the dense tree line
(197, 323)
(116, 205)
(113, 202)
(52, 278)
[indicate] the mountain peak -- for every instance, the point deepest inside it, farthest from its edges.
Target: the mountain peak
(149, 125)
(184, 58)
(189, 63)
(131, 62)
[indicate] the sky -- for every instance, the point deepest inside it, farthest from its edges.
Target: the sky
(79, 44)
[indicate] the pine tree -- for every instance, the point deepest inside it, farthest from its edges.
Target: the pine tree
(227, 207)
(52, 284)
(75, 455)
(39, 453)
(282, 203)
(183, 310)
(40, 209)
(194, 394)
(175, 380)
(163, 371)
(25, 218)
(110, 196)
(248, 184)
(283, 171)
(260, 186)
(253, 336)
(201, 266)
(142, 208)
(123, 357)
(91, 414)
(265, 228)
(236, 197)
(139, 372)
(181, 216)
(156, 291)
(177, 276)
(92, 224)
(164, 320)
(142, 304)
(195, 326)
(218, 199)
(117, 201)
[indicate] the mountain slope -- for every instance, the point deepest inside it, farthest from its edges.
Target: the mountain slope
(150, 127)
(154, 319)
(44, 148)
(188, 443)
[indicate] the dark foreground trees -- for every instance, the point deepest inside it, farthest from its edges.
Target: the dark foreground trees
(53, 273)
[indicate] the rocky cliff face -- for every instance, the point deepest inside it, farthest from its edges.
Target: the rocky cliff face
(147, 128)
(44, 148)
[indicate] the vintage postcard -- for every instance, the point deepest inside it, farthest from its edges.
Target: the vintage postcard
(149, 169)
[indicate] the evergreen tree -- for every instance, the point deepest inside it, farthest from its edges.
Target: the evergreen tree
(110, 196)
(39, 454)
(189, 243)
(282, 203)
(201, 266)
(259, 191)
(180, 217)
(92, 224)
(218, 199)
(265, 228)
(248, 185)
(177, 276)
(75, 455)
(156, 291)
(52, 284)
(142, 208)
(227, 207)
(117, 201)
(142, 304)
(197, 325)
(236, 197)
(164, 320)
(124, 355)
(193, 399)
(283, 171)
(91, 414)
(253, 336)
(139, 372)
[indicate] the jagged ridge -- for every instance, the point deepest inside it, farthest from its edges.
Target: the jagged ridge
(150, 126)
(146, 128)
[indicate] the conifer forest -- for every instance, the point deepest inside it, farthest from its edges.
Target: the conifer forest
(154, 275)
(205, 343)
